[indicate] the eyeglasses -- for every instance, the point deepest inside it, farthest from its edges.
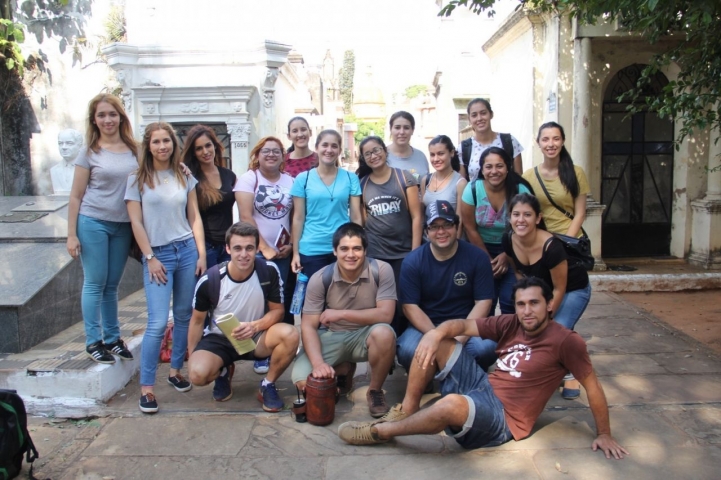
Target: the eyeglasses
(370, 153)
(444, 226)
(270, 151)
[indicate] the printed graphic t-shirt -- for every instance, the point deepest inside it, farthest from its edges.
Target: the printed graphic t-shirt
(529, 369)
(272, 202)
(489, 223)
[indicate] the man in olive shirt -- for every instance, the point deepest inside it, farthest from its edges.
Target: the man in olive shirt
(348, 319)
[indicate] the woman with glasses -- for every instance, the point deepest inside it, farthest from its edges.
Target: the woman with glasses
(203, 154)
(485, 215)
(263, 196)
(391, 210)
(163, 208)
(324, 198)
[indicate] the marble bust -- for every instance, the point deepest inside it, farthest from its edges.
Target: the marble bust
(69, 144)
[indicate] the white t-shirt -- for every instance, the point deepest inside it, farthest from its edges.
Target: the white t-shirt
(272, 202)
(477, 149)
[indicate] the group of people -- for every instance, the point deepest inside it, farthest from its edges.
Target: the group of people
(392, 266)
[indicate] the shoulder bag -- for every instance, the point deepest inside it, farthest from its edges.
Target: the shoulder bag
(577, 249)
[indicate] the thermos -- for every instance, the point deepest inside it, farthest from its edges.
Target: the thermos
(296, 305)
(320, 397)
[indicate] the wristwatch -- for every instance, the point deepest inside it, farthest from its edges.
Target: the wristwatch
(149, 256)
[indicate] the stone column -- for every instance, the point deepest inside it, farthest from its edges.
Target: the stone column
(706, 225)
(267, 124)
(581, 142)
(239, 135)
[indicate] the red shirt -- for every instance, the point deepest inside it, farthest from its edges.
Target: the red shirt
(530, 369)
(294, 166)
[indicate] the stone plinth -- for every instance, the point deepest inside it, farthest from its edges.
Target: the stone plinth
(706, 234)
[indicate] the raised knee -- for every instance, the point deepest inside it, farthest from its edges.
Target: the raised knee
(382, 335)
(198, 375)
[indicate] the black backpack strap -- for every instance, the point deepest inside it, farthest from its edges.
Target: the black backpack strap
(473, 191)
(548, 196)
(466, 148)
(399, 173)
(507, 142)
(428, 179)
(261, 269)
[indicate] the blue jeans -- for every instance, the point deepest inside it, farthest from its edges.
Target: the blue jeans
(180, 259)
(483, 351)
(502, 286)
(104, 248)
(485, 425)
(572, 307)
(313, 263)
(215, 254)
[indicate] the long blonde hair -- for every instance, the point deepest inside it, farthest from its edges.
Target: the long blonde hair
(146, 171)
(207, 194)
(92, 132)
(254, 163)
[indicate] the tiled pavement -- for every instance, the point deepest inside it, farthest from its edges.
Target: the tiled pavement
(664, 392)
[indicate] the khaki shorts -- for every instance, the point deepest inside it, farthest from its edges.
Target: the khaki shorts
(336, 348)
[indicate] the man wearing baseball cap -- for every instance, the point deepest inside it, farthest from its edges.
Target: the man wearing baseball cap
(444, 279)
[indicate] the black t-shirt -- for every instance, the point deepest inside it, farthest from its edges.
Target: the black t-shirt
(553, 254)
(218, 218)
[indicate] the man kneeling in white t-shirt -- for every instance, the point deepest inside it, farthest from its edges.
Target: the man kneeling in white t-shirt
(255, 297)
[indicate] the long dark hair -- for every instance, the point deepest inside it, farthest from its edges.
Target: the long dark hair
(566, 173)
(448, 143)
(527, 199)
(363, 168)
(292, 147)
(513, 180)
(208, 195)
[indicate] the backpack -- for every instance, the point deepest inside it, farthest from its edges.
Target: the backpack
(467, 146)
(213, 273)
(14, 437)
(328, 275)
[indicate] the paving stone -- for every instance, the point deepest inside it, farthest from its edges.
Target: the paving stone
(687, 362)
(660, 389)
(624, 364)
(637, 343)
(618, 325)
(473, 464)
(173, 436)
(602, 298)
(644, 462)
(703, 424)
(163, 468)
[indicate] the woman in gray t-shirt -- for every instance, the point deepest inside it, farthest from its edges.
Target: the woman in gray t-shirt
(391, 209)
(98, 224)
(400, 153)
(163, 208)
(446, 183)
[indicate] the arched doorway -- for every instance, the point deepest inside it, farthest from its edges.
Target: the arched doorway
(637, 172)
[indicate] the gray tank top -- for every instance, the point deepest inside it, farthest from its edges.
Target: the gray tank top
(448, 193)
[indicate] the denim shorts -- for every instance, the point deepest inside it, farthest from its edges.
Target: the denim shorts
(486, 423)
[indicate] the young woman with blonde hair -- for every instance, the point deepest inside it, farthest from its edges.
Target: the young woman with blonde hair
(163, 208)
(98, 224)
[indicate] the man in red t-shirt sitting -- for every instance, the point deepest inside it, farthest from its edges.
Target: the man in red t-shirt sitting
(480, 410)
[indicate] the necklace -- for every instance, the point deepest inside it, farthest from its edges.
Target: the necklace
(330, 192)
(439, 183)
(165, 179)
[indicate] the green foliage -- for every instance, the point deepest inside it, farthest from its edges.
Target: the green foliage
(366, 128)
(414, 90)
(11, 36)
(347, 73)
(115, 24)
(692, 29)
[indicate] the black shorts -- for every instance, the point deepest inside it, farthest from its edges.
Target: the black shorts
(221, 346)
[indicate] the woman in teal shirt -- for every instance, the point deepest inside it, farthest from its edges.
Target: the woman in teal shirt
(484, 214)
(324, 198)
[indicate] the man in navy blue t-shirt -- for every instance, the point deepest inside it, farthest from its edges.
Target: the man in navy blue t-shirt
(442, 280)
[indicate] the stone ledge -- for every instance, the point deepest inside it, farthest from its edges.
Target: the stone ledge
(671, 282)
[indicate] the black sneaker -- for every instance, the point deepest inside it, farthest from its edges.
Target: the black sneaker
(180, 383)
(222, 390)
(120, 349)
(99, 353)
(148, 403)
